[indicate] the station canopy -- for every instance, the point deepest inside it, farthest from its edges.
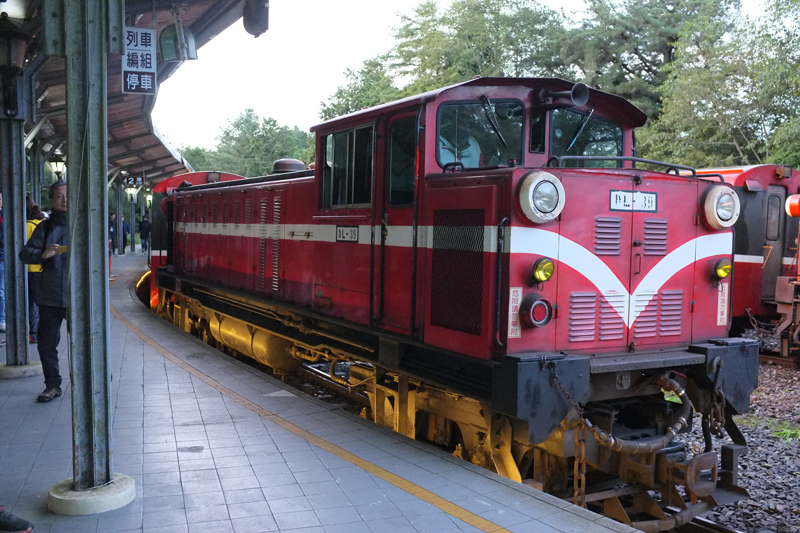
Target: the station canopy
(134, 143)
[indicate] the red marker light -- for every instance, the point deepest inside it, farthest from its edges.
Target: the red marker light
(793, 205)
(535, 312)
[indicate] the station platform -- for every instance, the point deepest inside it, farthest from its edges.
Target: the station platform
(215, 445)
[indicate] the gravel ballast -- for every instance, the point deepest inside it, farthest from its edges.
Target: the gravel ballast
(771, 469)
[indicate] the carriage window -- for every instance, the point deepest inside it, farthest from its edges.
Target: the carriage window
(402, 161)
(480, 134)
(774, 217)
(578, 134)
(347, 174)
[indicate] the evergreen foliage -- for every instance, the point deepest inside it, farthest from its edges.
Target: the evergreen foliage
(249, 146)
(719, 89)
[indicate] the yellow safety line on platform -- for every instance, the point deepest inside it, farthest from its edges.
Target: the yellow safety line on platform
(425, 495)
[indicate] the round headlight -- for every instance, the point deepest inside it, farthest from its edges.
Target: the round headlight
(721, 207)
(726, 207)
(541, 196)
(545, 197)
(543, 269)
(723, 268)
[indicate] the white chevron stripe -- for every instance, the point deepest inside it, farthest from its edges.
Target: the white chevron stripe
(541, 242)
(681, 257)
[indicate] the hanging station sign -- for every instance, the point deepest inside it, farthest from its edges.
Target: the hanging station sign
(139, 61)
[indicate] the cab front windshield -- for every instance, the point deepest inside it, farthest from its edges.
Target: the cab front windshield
(480, 134)
(582, 134)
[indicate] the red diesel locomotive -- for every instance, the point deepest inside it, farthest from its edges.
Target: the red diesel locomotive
(765, 249)
(503, 281)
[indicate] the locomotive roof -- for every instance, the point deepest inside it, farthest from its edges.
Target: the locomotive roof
(636, 117)
(195, 178)
(738, 175)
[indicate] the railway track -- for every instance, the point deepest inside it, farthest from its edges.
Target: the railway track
(777, 360)
(703, 525)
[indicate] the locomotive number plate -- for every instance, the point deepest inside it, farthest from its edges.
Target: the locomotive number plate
(346, 233)
(633, 201)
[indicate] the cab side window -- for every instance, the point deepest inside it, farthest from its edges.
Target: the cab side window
(347, 174)
(402, 161)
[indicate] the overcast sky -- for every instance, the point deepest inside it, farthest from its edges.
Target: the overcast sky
(286, 72)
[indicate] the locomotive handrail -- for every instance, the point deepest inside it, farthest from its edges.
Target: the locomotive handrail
(500, 246)
(671, 167)
(713, 175)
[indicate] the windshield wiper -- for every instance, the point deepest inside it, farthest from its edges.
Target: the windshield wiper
(492, 117)
(584, 121)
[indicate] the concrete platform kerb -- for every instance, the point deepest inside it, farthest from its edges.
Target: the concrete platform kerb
(66, 501)
(34, 368)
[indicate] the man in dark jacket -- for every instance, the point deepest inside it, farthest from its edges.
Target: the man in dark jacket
(47, 247)
(144, 233)
(126, 229)
(112, 232)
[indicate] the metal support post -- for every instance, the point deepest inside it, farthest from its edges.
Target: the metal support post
(132, 223)
(12, 162)
(119, 191)
(89, 318)
(36, 171)
(82, 32)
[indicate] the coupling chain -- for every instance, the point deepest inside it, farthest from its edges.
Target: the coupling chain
(716, 410)
(579, 465)
(557, 382)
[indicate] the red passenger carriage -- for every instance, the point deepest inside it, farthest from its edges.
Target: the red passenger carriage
(503, 280)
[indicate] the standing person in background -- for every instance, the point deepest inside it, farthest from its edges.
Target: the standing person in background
(144, 233)
(126, 229)
(34, 215)
(112, 232)
(47, 247)
(2, 270)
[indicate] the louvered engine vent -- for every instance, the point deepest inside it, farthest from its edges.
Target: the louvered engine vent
(655, 237)
(670, 315)
(276, 243)
(607, 231)
(582, 316)
(262, 245)
(457, 270)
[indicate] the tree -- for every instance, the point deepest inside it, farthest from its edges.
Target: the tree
(475, 38)
(239, 149)
(370, 86)
(624, 47)
(726, 101)
(198, 158)
(436, 49)
(249, 146)
(780, 73)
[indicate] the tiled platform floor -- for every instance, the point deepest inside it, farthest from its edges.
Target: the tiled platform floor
(216, 446)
